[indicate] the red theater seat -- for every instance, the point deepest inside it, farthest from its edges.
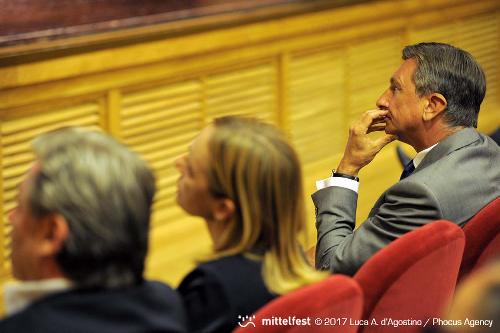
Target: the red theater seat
(336, 297)
(411, 279)
(482, 238)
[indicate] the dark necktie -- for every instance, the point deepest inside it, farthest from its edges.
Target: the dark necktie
(409, 168)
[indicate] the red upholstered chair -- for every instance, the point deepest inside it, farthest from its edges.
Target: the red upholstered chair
(338, 296)
(413, 278)
(482, 238)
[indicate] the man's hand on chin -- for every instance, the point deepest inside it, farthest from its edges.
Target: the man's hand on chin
(361, 148)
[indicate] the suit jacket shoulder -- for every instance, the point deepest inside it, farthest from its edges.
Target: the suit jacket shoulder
(149, 307)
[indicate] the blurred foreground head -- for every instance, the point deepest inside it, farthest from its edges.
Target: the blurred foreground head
(477, 300)
(83, 211)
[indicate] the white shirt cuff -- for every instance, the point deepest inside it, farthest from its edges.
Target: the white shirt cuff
(338, 181)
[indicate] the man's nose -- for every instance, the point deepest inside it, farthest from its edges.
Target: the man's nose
(179, 163)
(382, 101)
(11, 215)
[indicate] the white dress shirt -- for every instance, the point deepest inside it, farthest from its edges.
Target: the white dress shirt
(20, 294)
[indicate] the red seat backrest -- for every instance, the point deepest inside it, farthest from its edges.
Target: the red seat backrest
(337, 296)
(411, 279)
(482, 238)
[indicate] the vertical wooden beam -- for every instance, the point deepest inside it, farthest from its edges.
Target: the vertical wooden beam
(203, 101)
(3, 222)
(282, 92)
(346, 91)
(111, 115)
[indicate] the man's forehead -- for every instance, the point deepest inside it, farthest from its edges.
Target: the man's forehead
(30, 173)
(405, 72)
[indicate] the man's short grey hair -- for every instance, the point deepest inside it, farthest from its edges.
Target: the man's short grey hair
(105, 193)
(455, 74)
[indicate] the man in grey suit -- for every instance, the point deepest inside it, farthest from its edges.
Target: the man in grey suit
(432, 104)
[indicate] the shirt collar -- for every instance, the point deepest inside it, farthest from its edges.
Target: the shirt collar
(20, 294)
(421, 154)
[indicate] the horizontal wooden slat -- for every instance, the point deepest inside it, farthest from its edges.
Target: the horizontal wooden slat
(24, 124)
(444, 33)
(178, 130)
(160, 125)
(173, 92)
(480, 35)
(165, 143)
(240, 76)
(22, 136)
(240, 104)
(247, 91)
(317, 82)
(15, 172)
(151, 113)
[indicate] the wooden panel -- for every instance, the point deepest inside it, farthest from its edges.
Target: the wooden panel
(317, 107)
(16, 155)
(480, 36)
(444, 33)
(159, 123)
(370, 66)
(246, 91)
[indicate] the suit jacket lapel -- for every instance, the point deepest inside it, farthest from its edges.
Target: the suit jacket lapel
(452, 143)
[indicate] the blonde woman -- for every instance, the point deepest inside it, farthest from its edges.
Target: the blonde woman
(244, 179)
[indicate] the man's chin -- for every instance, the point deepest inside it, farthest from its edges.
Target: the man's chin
(389, 129)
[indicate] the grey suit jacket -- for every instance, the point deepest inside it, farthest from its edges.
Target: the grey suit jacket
(454, 181)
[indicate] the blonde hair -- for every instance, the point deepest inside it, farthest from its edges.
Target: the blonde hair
(253, 164)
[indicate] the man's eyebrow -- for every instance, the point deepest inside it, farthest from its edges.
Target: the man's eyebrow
(395, 82)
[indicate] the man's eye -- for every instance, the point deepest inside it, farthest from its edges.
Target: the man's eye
(189, 170)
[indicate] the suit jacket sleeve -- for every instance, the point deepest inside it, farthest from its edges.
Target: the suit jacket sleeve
(404, 207)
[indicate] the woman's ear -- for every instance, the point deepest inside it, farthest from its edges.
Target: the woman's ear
(224, 209)
(54, 231)
(436, 104)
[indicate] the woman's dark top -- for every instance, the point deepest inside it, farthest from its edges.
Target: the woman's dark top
(217, 292)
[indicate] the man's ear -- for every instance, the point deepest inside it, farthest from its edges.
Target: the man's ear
(54, 231)
(224, 209)
(435, 105)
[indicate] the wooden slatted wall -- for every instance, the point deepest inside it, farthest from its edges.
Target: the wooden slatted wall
(310, 85)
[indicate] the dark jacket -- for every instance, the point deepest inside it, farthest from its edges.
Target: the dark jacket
(149, 307)
(217, 292)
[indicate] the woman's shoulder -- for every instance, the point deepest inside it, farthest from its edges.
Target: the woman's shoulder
(236, 277)
(224, 269)
(222, 264)
(217, 291)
